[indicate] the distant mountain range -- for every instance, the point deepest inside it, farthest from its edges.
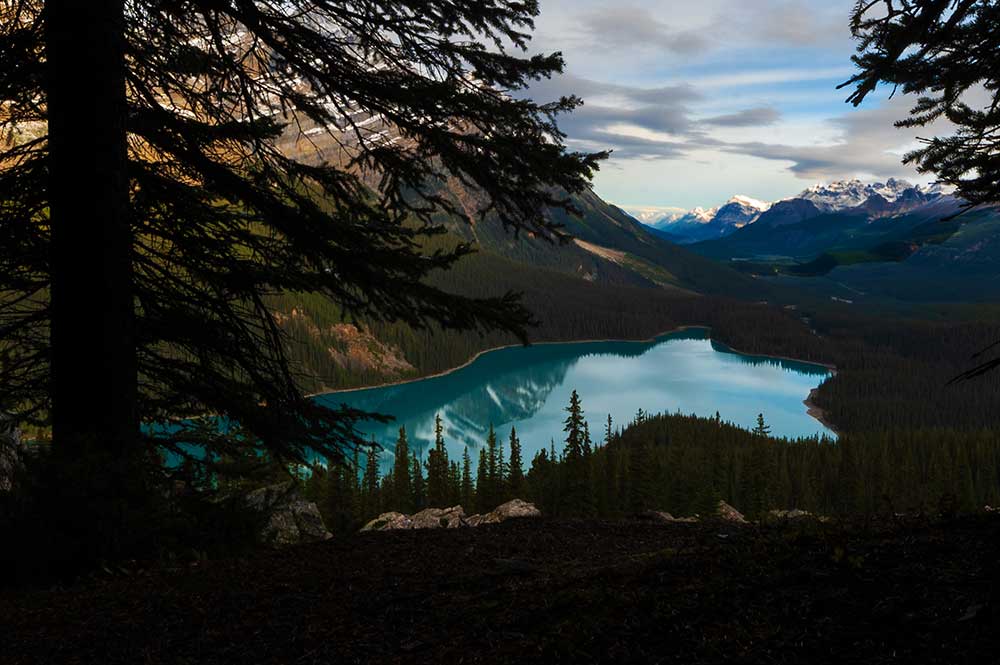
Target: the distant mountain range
(873, 199)
(885, 219)
(864, 242)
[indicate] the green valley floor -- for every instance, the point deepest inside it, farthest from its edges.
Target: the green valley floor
(545, 591)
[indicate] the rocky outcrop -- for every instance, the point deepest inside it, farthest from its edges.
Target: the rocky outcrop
(664, 517)
(287, 518)
(793, 514)
(439, 518)
(390, 521)
(11, 454)
(451, 518)
(727, 513)
(511, 510)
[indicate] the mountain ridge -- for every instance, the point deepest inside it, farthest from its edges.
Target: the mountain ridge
(877, 198)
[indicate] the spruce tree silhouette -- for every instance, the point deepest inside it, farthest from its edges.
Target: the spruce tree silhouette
(946, 52)
(157, 186)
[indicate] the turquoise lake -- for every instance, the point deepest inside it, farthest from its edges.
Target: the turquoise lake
(528, 388)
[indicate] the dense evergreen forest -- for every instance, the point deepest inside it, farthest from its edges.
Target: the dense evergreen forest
(892, 371)
(681, 464)
(911, 438)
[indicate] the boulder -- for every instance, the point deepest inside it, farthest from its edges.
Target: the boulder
(793, 514)
(288, 519)
(390, 521)
(656, 516)
(451, 518)
(439, 518)
(727, 513)
(513, 509)
(474, 520)
(666, 518)
(11, 454)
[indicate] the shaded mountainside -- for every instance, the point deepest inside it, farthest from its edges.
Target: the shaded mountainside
(610, 247)
(937, 261)
(800, 230)
(544, 591)
(823, 218)
(614, 280)
(614, 247)
(925, 254)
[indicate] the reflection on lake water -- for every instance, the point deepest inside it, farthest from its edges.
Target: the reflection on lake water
(528, 388)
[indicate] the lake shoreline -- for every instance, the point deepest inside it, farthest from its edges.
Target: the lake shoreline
(815, 412)
(819, 415)
(501, 348)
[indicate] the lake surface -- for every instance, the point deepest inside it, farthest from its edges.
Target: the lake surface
(529, 388)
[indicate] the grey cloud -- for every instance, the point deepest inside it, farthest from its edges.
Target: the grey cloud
(792, 22)
(869, 144)
(668, 120)
(756, 117)
(639, 27)
(567, 84)
(629, 147)
(663, 109)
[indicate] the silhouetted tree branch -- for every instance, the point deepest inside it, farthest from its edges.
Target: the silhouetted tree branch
(263, 146)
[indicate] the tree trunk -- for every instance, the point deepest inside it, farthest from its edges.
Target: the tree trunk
(93, 348)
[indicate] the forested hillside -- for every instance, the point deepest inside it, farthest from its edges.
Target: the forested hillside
(683, 465)
(613, 280)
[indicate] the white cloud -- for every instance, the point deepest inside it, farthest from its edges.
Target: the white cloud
(700, 100)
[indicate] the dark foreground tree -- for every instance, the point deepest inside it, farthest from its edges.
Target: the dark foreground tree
(947, 53)
(165, 165)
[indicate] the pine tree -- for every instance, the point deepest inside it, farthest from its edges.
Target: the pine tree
(938, 52)
(573, 427)
(489, 489)
(578, 498)
(164, 211)
(370, 500)
(500, 481)
(419, 500)
(402, 495)
(756, 480)
(543, 488)
(516, 478)
(607, 497)
(467, 494)
(438, 468)
(762, 428)
(455, 485)
(640, 478)
(484, 502)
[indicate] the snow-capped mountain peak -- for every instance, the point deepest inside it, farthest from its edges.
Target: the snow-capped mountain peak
(853, 193)
(750, 202)
(739, 211)
(701, 215)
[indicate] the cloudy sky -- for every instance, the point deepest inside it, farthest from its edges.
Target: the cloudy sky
(703, 99)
